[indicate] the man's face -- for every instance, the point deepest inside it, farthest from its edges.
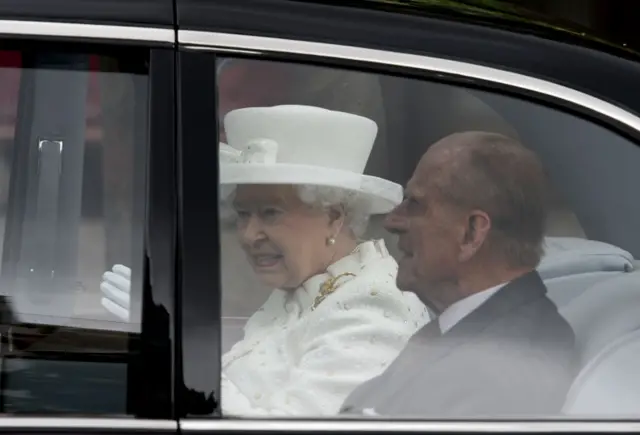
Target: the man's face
(429, 234)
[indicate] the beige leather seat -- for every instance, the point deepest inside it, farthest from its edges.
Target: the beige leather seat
(604, 312)
(609, 385)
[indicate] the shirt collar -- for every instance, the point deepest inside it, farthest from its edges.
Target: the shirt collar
(344, 269)
(459, 310)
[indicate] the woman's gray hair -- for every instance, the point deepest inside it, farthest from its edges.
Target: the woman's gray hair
(355, 209)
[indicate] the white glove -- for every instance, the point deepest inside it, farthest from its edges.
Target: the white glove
(116, 290)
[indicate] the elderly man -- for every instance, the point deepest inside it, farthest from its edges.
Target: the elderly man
(471, 228)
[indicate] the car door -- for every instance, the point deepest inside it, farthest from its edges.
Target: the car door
(420, 79)
(88, 184)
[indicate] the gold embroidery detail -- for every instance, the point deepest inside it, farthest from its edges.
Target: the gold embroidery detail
(328, 287)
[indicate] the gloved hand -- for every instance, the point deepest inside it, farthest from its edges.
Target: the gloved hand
(116, 291)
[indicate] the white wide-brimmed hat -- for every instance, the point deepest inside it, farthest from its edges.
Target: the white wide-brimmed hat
(304, 145)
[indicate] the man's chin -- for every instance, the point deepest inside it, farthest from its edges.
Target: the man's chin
(405, 281)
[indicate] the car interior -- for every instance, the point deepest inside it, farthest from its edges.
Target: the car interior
(55, 339)
(590, 262)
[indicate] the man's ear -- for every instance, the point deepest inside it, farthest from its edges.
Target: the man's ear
(478, 225)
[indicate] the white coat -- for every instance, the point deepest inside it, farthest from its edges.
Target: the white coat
(304, 351)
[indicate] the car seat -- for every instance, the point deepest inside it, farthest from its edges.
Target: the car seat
(603, 313)
(572, 265)
(609, 385)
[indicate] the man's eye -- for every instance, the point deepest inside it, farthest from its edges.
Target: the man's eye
(269, 213)
(412, 205)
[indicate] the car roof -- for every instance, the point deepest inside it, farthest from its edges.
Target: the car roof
(503, 15)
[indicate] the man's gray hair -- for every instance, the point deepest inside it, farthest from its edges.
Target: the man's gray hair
(500, 176)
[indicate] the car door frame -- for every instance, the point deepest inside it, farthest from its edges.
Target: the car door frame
(150, 395)
(416, 47)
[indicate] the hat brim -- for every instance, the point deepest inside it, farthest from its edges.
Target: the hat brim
(381, 195)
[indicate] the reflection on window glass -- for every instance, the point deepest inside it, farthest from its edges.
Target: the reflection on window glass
(72, 152)
(406, 249)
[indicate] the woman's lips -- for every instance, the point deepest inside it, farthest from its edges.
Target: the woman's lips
(266, 261)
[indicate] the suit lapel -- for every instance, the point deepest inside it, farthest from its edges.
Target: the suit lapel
(427, 346)
(518, 292)
(521, 291)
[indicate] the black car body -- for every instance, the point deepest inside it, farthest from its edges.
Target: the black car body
(161, 371)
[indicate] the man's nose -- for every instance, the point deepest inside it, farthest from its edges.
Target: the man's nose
(394, 222)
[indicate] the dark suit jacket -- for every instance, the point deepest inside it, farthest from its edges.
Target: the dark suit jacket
(512, 356)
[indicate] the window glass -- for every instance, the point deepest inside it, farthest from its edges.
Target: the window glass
(72, 145)
(403, 248)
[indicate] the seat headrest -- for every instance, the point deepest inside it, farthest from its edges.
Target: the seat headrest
(609, 385)
(562, 290)
(571, 255)
(604, 312)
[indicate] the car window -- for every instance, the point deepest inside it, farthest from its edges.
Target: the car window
(315, 161)
(72, 156)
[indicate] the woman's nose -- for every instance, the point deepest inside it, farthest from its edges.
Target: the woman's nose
(250, 230)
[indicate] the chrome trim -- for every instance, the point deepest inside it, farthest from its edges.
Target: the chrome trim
(229, 42)
(83, 30)
(404, 426)
(64, 423)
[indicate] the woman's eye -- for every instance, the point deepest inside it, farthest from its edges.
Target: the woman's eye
(270, 213)
(242, 214)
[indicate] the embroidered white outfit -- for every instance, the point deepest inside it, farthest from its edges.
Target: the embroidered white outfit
(305, 350)
(302, 353)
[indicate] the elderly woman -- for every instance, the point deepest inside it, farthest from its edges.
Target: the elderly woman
(293, 176)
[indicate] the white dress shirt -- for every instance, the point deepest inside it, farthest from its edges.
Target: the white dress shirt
(302, 353)
(459, 310)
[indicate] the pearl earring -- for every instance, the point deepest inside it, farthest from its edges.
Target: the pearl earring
(331, 241)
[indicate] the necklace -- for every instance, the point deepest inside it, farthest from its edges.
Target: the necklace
(328, 287)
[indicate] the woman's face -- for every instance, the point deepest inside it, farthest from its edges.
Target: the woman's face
(285, 239)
